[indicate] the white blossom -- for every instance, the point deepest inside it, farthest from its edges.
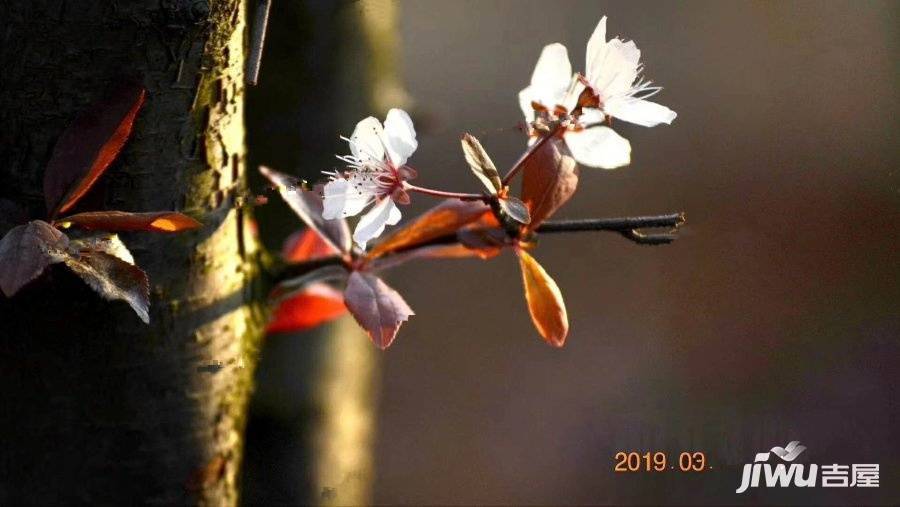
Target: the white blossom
(375, 174)
(610, 87)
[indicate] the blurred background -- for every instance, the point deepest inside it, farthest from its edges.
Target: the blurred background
(773, 318)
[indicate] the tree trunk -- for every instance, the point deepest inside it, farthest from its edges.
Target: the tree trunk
(97, 407)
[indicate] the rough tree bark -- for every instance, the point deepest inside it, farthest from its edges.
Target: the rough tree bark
(95, 406)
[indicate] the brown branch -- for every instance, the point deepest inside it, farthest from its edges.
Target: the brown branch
(531, 151)
(628, 227)
(613, 224)
(279, 271)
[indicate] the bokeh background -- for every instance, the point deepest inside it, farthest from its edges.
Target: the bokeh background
(773, 318)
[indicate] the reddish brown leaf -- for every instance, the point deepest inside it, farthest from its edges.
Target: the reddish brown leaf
(306, 245)
(481, 164)
(314, 305)
(118, 221)
(545, 301)
(88, 146)
(485, 242)
(486, 220)
(515, 209)
(379, 309)
(114, 279)
(449, 251)
(26, 251)
(308, 206)
(102, 242)
(445, 218)
(550, 176)
(452, 251)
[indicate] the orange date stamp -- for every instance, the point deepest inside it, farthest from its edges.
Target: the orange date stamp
(658, 461)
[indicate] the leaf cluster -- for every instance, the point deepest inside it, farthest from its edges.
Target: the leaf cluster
(94, 252)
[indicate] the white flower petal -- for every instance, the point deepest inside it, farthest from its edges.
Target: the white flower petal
(372, 224)
(525, 97)
(622, 70)
(401, 136)
(595, 48)
(551, 76)
(343, 199)
(590, 116)
(640, 112)
(394, 215)
(573, 93)
(599, 147)
(611, 67)
(367, 141)
(553, 69)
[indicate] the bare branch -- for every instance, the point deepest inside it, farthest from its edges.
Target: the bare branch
(641, 238)
(613, 224)
(521, 162)
(279, 271)
(628, 227)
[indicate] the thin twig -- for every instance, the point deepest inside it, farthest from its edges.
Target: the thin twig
(280, 271)
(613, 224)
(258, 41)
(446, 195)
(531, 151)
(641, 238)
(628, 227)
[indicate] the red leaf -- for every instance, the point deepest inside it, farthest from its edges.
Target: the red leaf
(117, 221)
(449, 251)
(545, 301)
(102, 242)
(379, 309)
(481, 164)
(308, 206)
(88, 146)
(316, 304)
(550, 176)
(26, 251)
(515, 209)
(485, 242)
(306, 245)
(445, 218)
(114, 279)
